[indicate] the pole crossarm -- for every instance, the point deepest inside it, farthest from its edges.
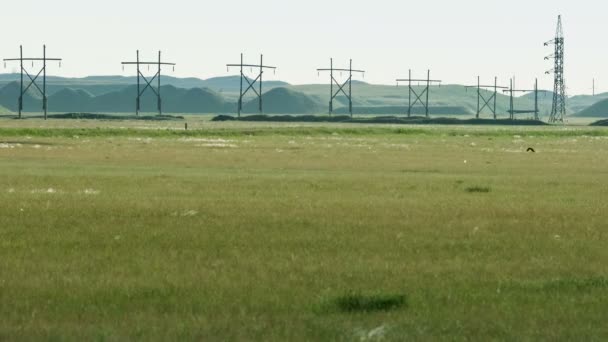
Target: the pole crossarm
(149, 82)
(342, 87)
(147, 63)
(251, 66)
(250, 86)
(32, 59)
(24, 88)
(417, 80)
(421, 98)
(342, 70)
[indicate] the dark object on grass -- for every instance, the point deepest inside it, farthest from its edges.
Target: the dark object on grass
(478, 189)
(361, 303)
(530, 149)
(186, 126)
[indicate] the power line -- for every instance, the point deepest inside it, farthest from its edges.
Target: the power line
(487, 102)
(251, 84)
(141, 76)
(349, 82)
(419, 96)
(32, 80)
(512, 111)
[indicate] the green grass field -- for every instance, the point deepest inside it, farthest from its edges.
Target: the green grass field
(235, 231)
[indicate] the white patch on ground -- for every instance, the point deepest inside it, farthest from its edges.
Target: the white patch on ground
(44, 191)
(11, 191)
(207, 142)
(513, 151)
(189, 213)
(219, 145)
(91, 192)
(144, 140)
(185, 213)
(376, 334)
(9, 146)
(398, 146)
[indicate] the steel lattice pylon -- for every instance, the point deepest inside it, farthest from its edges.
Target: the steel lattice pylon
(558, 110)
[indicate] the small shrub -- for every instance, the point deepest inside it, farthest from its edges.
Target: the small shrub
(478, 189)
(353, 303)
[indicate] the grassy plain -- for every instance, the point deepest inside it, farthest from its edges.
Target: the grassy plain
(251, 231)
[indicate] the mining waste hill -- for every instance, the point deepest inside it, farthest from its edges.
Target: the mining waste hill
(116, 94)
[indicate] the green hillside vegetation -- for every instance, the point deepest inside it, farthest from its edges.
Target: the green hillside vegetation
(105, 94)
(70, 100)
(598, 110)
(9, 95)
(285, 101)
(4, 111)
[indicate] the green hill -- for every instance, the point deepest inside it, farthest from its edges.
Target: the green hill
(116, 94)
(598, 110)
(4, 111)
(285, 101)
(9, 95)
(70, 100)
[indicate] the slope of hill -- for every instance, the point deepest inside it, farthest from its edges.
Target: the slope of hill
(285, 101)
(70, 100)
(9, 95)
(598, 110)
(99, 85)
(581, 102)
(4, 111)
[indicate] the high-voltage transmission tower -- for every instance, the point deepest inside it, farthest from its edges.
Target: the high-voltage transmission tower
(488, 102)
(32, 80)
(349, 82)
(141, 76)
(251, 84)
(425, 93)
(558, 110)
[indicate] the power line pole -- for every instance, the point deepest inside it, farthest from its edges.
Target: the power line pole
(32, 80)
(489, 102)
(149, 83)
(419, 96)
(558, 110)
(349, 82)
(512, 111)
(251, 84)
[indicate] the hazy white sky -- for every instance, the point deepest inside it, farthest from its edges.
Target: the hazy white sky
(458, 40)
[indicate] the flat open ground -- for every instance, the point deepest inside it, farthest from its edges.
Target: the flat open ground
(236, 231)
